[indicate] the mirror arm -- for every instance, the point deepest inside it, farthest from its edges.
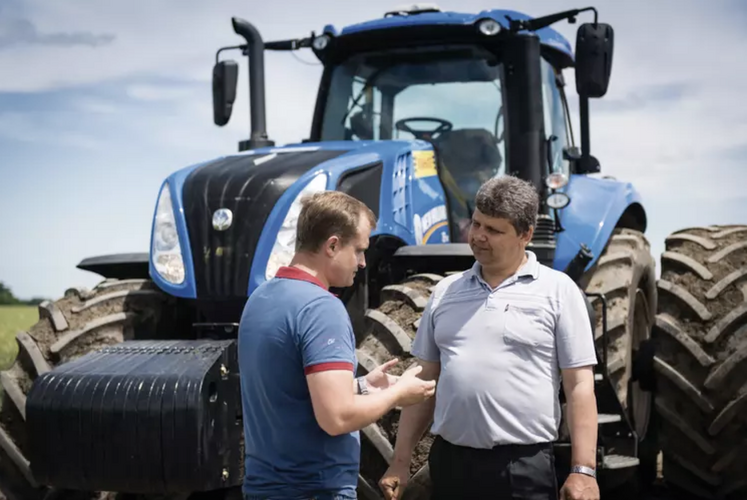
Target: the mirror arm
(583, 108)
(545, 21)
(234, 47)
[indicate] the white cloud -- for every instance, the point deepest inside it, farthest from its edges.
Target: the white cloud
(44, 128)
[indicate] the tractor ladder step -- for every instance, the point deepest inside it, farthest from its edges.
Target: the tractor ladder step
(608, 418)
(615, 462)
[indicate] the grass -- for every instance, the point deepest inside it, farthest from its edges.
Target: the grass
(12, 320)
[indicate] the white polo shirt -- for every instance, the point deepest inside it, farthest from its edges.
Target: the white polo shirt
(501, 351)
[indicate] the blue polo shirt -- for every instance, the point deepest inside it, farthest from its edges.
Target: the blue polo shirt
(292, 326)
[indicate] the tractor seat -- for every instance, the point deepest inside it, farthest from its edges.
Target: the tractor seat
(470, 155)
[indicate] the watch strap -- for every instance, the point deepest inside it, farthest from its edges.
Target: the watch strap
(582, 469)
(362, 385)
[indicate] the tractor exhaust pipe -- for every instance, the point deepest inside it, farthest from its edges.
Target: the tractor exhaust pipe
(255, 51)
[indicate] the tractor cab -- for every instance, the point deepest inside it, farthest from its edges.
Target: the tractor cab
(485, 90)
(450, 96)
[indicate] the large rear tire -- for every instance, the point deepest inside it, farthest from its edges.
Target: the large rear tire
(701, 361)
(78, 323)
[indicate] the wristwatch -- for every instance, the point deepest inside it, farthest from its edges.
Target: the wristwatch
(362, 385)
(582, 469)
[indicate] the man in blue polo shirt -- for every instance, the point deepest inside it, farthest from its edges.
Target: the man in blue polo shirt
(302, 405)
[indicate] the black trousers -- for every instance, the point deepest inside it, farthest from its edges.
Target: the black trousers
(516, 472)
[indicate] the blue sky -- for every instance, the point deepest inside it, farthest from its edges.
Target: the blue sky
(99, 101)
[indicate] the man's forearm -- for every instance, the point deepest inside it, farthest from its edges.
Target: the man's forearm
(365, 410)
(413, 422)
(582, 424)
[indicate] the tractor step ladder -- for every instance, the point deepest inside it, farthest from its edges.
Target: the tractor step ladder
(613, 427)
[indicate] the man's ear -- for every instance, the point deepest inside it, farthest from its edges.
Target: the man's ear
(527, 237)
(331, 246)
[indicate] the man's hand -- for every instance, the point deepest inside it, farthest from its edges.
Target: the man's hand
(580, 487)
(394, 480)
(379, 379)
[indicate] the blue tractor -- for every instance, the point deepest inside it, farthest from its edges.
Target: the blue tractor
(132, 387)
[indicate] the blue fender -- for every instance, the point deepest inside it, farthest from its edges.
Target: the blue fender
(593, 213)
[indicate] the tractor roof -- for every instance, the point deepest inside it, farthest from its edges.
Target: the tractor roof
(431, 15)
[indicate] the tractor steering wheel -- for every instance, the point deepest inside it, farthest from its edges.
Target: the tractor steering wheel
(444, 126)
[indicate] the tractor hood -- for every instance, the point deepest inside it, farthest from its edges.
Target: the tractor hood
(233, 208)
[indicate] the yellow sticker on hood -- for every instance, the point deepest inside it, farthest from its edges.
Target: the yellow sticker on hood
(424, 163)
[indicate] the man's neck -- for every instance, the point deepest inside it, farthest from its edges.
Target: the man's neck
(308, 264)
(496, 276)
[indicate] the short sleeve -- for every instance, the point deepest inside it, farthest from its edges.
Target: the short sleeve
(424, 346)
(573, 333)
(325, 336)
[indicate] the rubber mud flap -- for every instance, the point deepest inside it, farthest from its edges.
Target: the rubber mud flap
(152, 417)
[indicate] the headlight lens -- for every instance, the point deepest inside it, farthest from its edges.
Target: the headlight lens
(321, 42)
(489, 27)
(556, 180)
(285, 243)
(166, 251)
(558, 201)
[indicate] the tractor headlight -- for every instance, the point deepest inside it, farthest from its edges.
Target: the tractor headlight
(556, 180)
(320, 42)
(285, 244)
(166, 251)
(489, 27)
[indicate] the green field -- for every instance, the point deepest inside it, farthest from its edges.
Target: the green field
(12, 320)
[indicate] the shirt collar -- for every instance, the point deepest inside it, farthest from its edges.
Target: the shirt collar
(295, 273)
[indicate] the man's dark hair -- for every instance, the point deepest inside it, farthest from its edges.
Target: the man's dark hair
(511, 198)
(326, 214)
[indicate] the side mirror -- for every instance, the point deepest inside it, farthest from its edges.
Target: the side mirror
(594, 44)
(581, 164)
(225, 76)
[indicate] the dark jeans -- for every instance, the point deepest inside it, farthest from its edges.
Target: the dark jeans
(326, 496)
(516, 472)
(323, 496)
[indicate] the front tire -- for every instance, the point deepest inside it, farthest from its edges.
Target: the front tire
(388, 333)
(80, 322)
(626, 275)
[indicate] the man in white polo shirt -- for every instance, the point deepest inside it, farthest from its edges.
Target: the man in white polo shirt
(498, 338)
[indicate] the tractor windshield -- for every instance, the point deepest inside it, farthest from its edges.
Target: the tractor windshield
(451, 96)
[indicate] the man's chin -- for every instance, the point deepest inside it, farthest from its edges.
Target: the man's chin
(346, 284)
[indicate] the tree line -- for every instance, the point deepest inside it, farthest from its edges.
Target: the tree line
(8, 299)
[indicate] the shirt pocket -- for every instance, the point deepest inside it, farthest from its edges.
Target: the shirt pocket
(528, 326)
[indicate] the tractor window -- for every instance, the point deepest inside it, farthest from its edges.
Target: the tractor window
(465, 122)
(451, 96)
(556, 129)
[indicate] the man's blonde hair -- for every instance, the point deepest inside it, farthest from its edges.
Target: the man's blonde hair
(326, 214)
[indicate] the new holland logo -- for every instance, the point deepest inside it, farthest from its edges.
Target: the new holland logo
(222, 219)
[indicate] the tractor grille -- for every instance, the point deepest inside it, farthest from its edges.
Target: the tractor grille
(543, 241)
(223, 259)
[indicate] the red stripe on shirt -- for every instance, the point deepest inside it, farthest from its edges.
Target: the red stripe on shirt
(295, 273)
(323, 367)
